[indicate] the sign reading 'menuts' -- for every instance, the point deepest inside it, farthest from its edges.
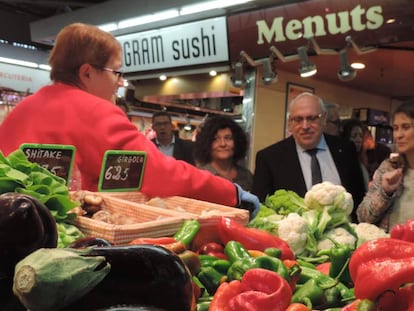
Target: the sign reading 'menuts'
(122, 170)
(329, 22)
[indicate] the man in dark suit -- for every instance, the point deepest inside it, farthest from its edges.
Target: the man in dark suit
(287, 164)
(169, 143)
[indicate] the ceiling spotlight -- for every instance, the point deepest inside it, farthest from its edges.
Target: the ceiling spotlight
(346, 72)
(358, 65)
(163, 77)
(269, 76)
(187, 126)
(307, 68)
(238, 79)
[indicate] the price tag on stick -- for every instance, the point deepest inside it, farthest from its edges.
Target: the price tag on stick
(58, 159)
(122, 170)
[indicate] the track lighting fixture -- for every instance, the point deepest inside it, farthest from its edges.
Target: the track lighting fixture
(357, 49)
(306, 68)
(269, 76)
(346, 72)
(238, 78)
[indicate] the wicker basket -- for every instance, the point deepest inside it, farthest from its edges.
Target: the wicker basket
(208, 214)
(150, 222)
(205, 212)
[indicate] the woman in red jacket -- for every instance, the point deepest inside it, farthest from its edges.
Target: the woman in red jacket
(77, 110)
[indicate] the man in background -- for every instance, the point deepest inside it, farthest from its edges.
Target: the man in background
(168, 142)
(333, 122)
(287, 164)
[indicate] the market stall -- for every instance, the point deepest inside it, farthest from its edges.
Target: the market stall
(182, 254)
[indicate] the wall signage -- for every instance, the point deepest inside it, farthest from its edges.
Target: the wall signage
(196, 43)
(122, 170)
(329, 22)
(58, 159)
(23, 79)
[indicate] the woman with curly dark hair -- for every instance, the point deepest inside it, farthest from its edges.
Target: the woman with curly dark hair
(220, 146)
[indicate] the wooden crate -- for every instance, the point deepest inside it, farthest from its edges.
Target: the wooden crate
(150, 222)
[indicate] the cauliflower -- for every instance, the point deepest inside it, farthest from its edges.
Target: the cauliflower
(338, 234)
(294, 230)
(327, 194)
(367, 232)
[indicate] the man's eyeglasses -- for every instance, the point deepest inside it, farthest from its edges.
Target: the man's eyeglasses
(118, 73)
(309, 119)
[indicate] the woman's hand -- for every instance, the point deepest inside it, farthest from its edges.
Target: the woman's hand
(391, 180)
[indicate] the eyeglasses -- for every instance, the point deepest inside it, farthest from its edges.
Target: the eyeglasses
(117, 73)
(309, 119)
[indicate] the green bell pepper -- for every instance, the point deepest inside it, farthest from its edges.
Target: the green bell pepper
(339, 256)
(310, 294)
(241, 261)
(187, 231)
(210, 278)
(236, 251)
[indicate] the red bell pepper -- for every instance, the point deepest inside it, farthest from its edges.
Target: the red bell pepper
(251, 238)
(381, 265)
(259, 289)
(402, 300)
(324, 267)
(169, 243)
(296, 306)
(212, 249)
(155, 241)
(403, 231)
(405, 297)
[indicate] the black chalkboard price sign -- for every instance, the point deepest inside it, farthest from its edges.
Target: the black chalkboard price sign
(122, 170)
(58, 159)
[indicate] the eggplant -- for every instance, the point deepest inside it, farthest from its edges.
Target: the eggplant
(89, 241)
(140, 275)
(26, 225)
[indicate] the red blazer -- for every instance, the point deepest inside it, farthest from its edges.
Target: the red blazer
(62, 114)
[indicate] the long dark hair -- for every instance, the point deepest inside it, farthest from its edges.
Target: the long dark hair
(209, 129)
(348, 125)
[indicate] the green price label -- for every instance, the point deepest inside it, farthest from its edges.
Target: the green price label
(58, 159)
(122, 170)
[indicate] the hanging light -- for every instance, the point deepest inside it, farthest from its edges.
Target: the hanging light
(187, 126)
(346, 72)
(307, 68)
(269, 76)
(238, 78)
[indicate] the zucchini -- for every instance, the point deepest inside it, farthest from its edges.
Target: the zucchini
(49, 279)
